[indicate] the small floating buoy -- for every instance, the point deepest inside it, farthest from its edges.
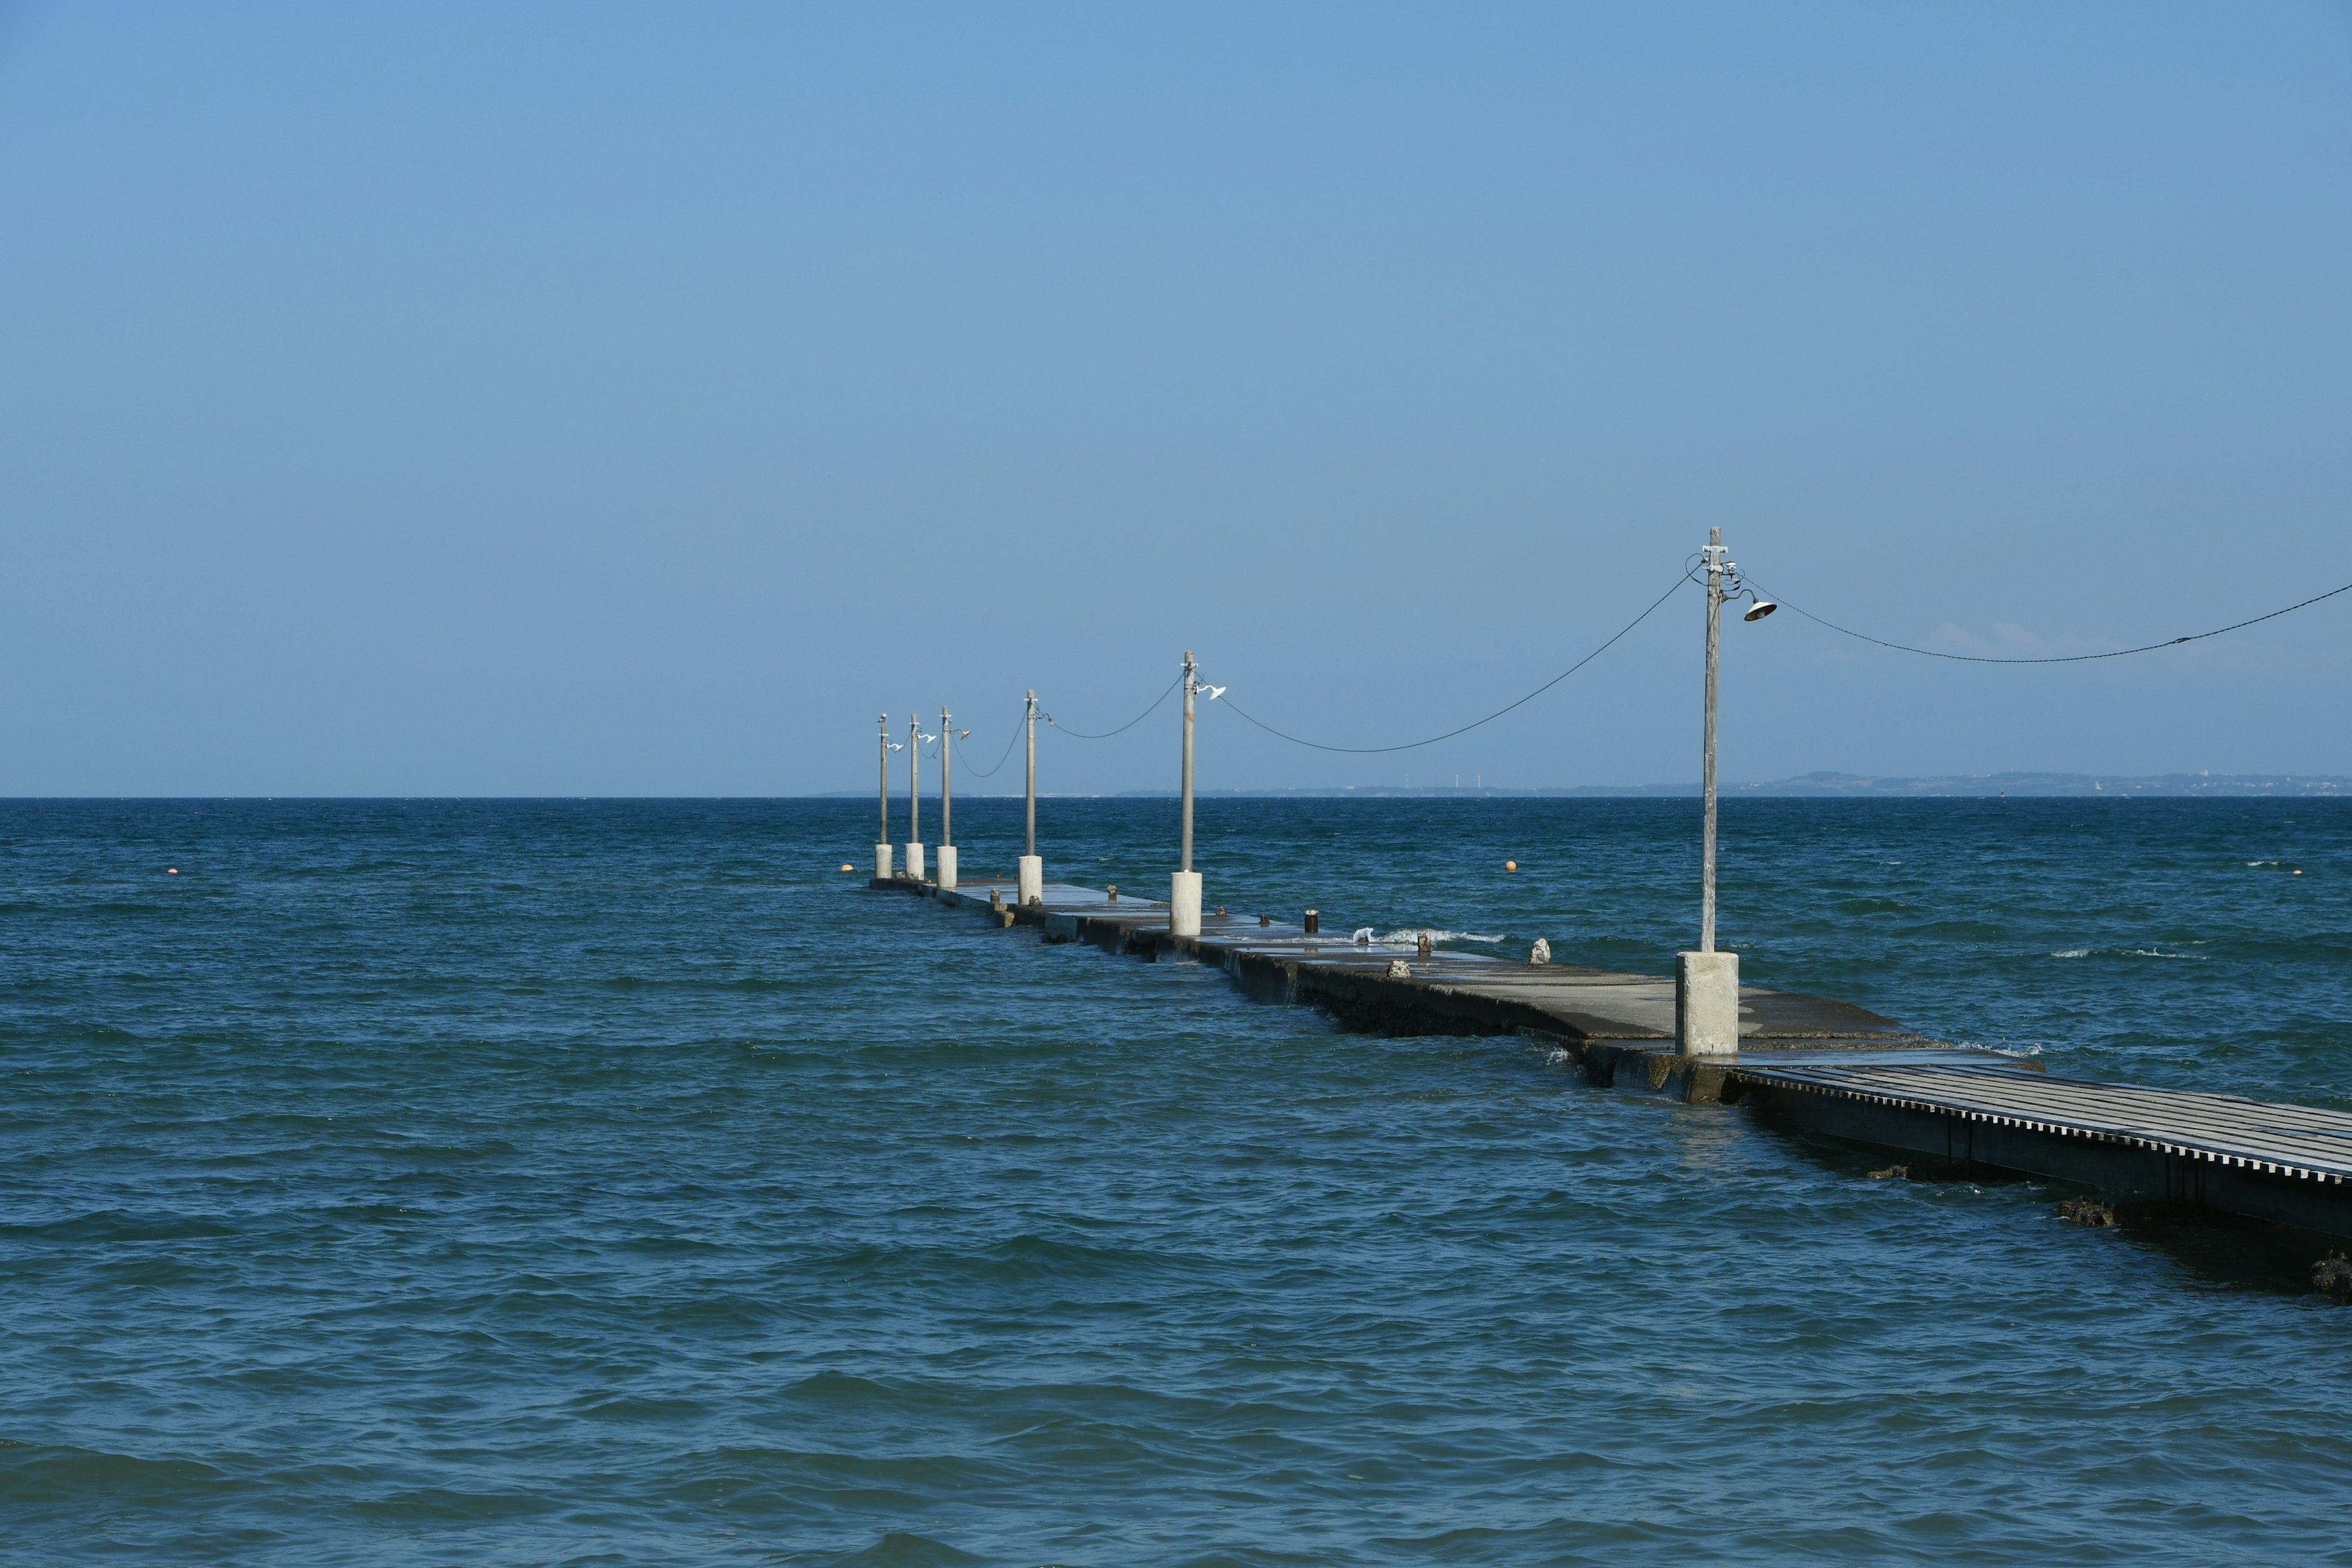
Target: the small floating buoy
(2298, 870)
(1510, 865)
(175, 870)
(847, 867)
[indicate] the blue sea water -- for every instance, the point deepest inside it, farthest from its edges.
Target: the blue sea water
(621, 1181)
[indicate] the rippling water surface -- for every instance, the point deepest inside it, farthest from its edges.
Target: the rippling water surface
(609, 1181)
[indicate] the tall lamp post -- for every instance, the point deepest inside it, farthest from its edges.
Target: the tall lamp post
(1030, 886)
(882, 844)
(1707, 983)
(915, 796)
(947, 820)
(1184, 886)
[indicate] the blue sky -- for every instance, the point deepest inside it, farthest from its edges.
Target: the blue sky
(566, 399)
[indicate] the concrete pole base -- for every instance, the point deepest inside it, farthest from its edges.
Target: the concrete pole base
(881, 862)
(915, 861)
(1184, 903)
(947, 868)
(1706, 1003)
(1031, 885)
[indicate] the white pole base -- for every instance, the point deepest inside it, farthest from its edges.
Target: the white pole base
(881, 862)
(1706, 1003)
(947, 868)
(915, 861)
(1184, 903)
(1031, 886)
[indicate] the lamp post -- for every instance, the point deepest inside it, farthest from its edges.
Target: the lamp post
(915, 796)
(1030, 886)
(947, 820)
(1707, 983)
(882, 844)
(1184, 888)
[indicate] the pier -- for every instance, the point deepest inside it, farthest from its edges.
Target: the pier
(1807, 1063)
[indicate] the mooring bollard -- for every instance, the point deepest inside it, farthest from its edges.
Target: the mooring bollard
(881, 862)
(1706, 1003)
(1314, 922)
(1541, 952)
(1363, 936)
(1400, 970)
(1266, 920)
(1113, 892)
(1423, 946)
(995, 897)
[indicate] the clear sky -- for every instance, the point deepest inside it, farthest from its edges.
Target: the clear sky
(569, 399)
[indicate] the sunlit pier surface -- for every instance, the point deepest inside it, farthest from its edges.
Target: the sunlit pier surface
(1805, 1062)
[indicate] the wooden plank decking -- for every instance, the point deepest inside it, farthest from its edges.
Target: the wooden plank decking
(1812, 1062)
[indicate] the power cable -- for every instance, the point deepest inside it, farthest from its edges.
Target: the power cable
(1131, 723)
(2052, 658)
(1490, 718)
(1007, 757)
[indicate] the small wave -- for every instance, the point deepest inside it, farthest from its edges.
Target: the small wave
(2124, 952)
(1414, 933)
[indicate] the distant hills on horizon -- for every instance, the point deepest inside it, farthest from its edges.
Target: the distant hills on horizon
(1827, 783)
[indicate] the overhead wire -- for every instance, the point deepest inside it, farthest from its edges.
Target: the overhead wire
(1131, 723)
(990, 772)
(1689, 575)
(2049, 658)
(1498, 713)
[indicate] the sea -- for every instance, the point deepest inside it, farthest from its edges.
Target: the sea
(536, 1181)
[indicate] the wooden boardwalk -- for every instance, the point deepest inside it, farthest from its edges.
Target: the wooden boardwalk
(1810, 1062)
(2296, 1141)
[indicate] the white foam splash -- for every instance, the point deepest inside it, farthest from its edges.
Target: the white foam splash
(2124, 952)
(1414, 933)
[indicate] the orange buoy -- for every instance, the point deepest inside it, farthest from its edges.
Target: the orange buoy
(847, 867)
(175, 870)
(1510, 865)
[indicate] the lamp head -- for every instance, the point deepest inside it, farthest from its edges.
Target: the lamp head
(1759, 609)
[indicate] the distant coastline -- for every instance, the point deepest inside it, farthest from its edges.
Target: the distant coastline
(2026, 785)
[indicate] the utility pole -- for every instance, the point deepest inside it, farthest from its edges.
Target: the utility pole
(947, 804)
(1185, 791)
(882, 844)
(1184, 888)
(1030, 886)
(1707, 983)
(1714, 553)
(915, 796)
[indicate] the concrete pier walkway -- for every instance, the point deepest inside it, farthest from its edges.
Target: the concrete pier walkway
(1805, 1061)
